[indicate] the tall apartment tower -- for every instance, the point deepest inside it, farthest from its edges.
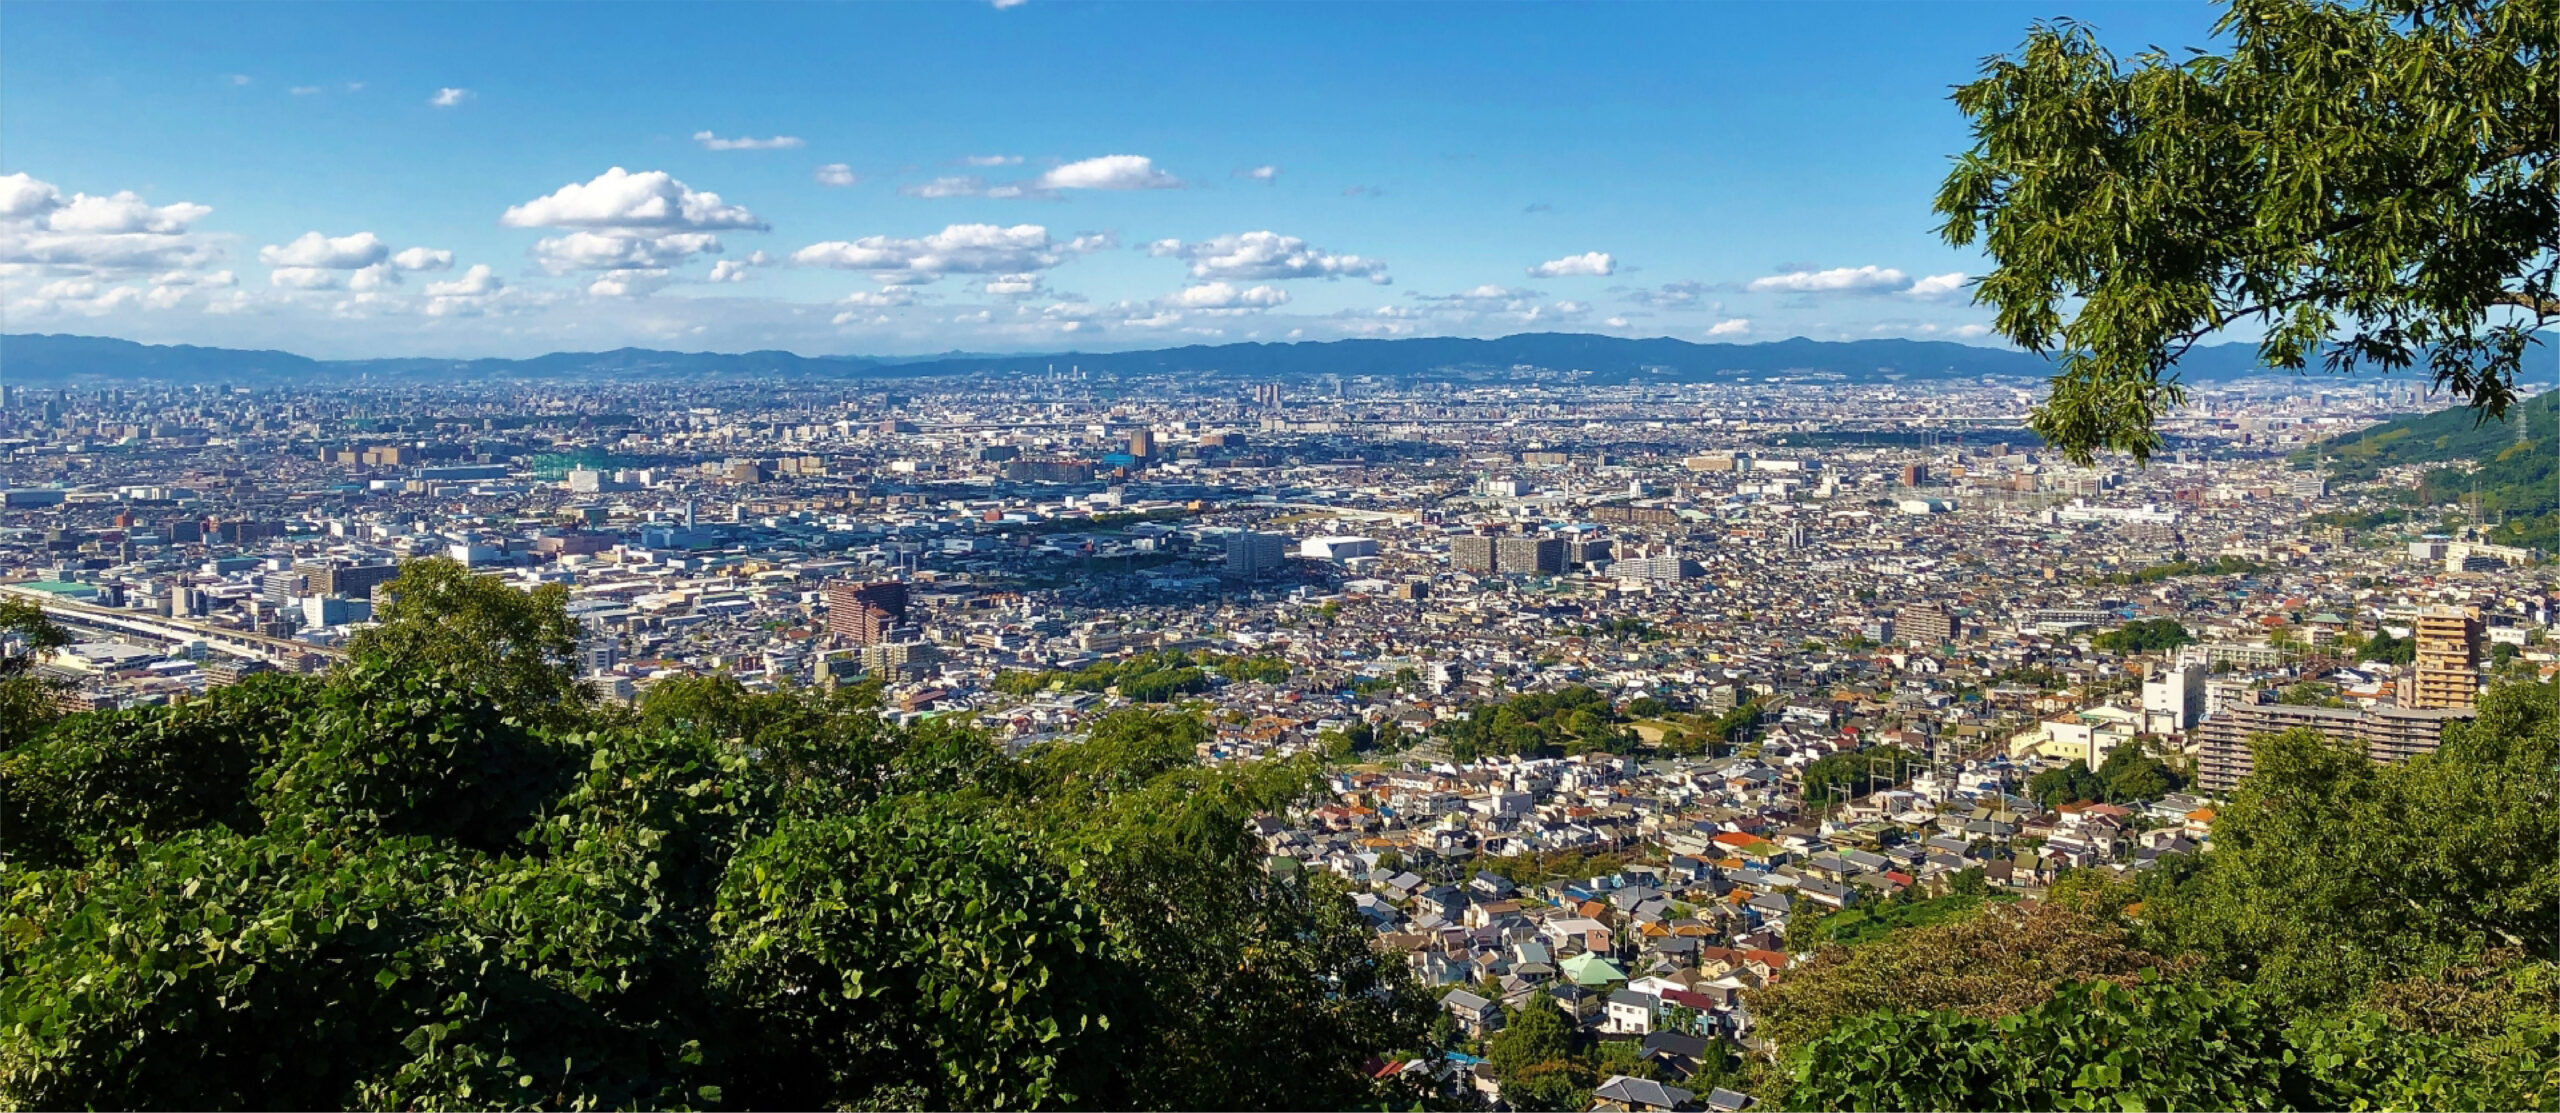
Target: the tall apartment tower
(1471, 552)
(865, 613)
(2448, 674)
(1142, 443)
(1250, 554)
(1524, 555)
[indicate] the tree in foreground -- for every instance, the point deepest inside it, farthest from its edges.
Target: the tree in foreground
(2359, 936)
(2370, 183)
(437, 878)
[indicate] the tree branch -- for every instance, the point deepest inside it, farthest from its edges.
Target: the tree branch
(2541, 306)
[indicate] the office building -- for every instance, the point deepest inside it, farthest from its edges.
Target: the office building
(276, 587)
(346, 581)
(2173, 700)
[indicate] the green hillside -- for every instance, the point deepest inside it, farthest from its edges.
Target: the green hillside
(2518, 466)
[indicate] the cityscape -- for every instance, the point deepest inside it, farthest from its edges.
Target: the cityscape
(1461, 704)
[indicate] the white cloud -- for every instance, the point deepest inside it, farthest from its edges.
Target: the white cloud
(1734, 326)
(84, 234)
(1937, 285)
(991, 160)
(190, 278)
(1838, 280)
(83, 296)
(240, 79)
(304, 278)
(620, 250)
(122, 213)
(423, 259)
(627, 283)
(619, 198)
(1589, 264)
(304, 90)
(731, 270)
(1220, 295)
(1487, 294)
(1260, 173)
(957, 249)
(1011, 285)
(450, 97)
(478, 282)
(712, 142)
(962, 185)
(1669, 295)
(314, 250)
(1615, 322)
(1262, 256)
(134, 252)
(836, 174)
(1970, 331)
(474, 293)
(1109, 172)
(24, 198)
(375, 277)
(1573, 308)
(1001, 5)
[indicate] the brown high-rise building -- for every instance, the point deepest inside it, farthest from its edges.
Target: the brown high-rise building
(865, 613)
(2448, 673)
(1142, 443)
(1929, 624)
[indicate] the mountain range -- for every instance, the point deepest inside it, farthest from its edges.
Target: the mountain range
(45, 360)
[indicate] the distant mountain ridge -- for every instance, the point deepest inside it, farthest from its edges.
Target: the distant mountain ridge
(41, 359)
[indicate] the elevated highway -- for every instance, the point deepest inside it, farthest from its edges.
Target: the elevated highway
(237, 643)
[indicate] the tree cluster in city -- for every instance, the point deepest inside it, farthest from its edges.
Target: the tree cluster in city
(2148, 635)
(2129, 775)
(1566, 721)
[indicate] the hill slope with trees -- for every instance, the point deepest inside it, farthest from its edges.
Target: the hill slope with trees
(439, 877)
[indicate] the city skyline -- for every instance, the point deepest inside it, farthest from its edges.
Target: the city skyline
(373, 181)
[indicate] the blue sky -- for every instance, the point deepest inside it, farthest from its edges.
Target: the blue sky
(482, 179)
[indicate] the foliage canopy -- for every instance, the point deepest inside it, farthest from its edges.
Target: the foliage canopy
(2372, 183)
